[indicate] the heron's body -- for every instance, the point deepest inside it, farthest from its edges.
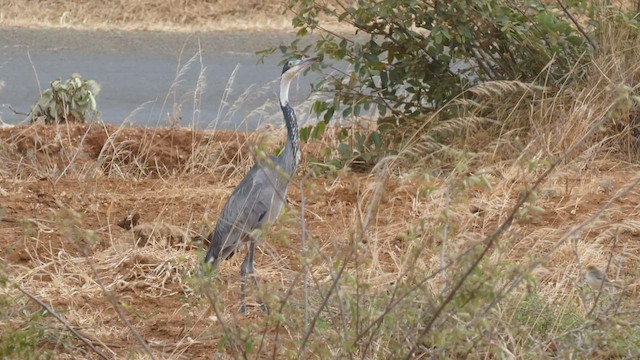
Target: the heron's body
(255, 202)
(260, 196)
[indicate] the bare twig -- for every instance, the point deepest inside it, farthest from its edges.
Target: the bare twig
(73, 158)
(325, 300)
(445, 234)
(63, 322)
(212, 303)
(603, 283)
(116, 306)
(581, 293)
(509, 287)
(284, 301)
(305, 269)
(16, 112)
(35, 72)
(373, 205)
(575, 22)
(35, 222)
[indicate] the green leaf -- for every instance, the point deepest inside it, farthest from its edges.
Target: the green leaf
(343, 134)
(377, 140)
(329, 114)
(318, 130)
(326, 153)
(305, 133)
(344, 150)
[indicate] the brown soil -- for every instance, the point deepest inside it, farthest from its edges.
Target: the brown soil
(61, 184)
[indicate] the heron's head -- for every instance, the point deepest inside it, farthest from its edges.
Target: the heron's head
(291, 69)
(294, 66)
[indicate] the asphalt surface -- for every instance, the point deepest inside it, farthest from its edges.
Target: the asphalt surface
(137, 72)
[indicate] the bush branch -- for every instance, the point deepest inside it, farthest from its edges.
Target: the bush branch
(63, 322)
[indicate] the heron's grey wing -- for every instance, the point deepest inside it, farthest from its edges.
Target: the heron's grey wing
(252, 200)
(244, 212)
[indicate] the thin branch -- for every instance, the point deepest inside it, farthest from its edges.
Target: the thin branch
(304, 274)
(373, 205)
(63, 322)
(603, 284)
(284, 301)
(35, 222)
(500, 295)
(305, 267)
(397, 298)
(445, 234)
(490, 240)
(35, 72)
(581, 292)
(16, 112)
(214, 307)
(74, 156)
(117, 308)
(325, 300)
(575, 22)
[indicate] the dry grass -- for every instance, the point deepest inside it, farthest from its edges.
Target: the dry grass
(174, 15)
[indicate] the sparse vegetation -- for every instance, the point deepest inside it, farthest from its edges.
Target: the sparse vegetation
(469, 241)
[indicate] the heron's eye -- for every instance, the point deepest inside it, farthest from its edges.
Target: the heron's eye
(290, 63)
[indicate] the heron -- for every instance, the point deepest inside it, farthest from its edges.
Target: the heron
(257, 201)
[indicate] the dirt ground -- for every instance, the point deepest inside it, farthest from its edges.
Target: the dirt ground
(116, 172)
(64, 190)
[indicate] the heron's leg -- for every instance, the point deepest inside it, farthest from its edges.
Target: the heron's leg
(245, 268)
(248, 268)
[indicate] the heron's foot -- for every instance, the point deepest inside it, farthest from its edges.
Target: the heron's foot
(264, 307)
(243, 310)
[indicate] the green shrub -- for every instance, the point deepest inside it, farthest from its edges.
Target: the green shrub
(415, 56)
(407, 59)
(68, 101)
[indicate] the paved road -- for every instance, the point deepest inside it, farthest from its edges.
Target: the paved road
(138, 70)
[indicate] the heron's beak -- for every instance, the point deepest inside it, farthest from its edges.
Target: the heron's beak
(306, 62)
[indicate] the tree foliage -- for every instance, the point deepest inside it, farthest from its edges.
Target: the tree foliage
(409, 57)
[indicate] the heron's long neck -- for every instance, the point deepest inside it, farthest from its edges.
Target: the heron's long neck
(292, 146)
